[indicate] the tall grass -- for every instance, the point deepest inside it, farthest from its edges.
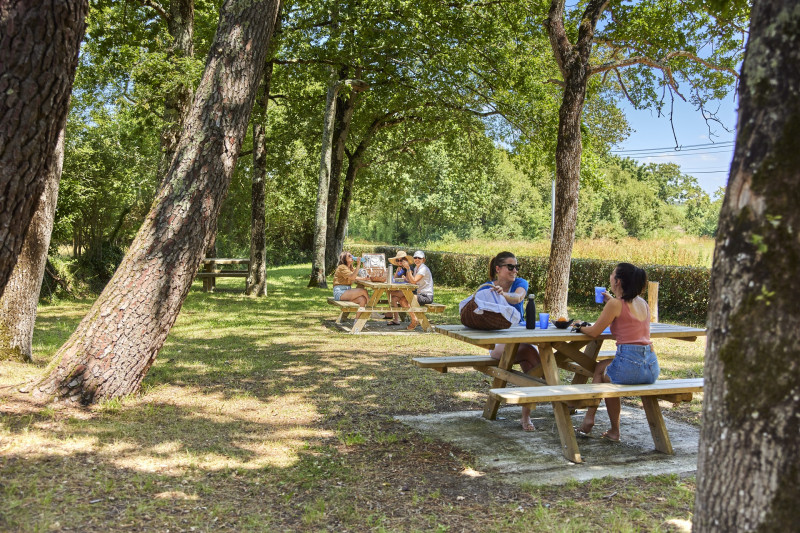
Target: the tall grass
(682, 251)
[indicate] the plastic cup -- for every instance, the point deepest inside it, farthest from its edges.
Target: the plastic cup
(598, 294)
(544, 320)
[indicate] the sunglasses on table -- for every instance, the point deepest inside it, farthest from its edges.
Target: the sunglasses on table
(511, 267)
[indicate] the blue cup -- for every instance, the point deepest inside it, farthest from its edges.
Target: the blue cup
(544, 320)
(598, 294)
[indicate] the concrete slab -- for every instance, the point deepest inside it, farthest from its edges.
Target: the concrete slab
(534, 457)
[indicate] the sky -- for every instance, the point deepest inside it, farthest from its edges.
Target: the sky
(652, 141)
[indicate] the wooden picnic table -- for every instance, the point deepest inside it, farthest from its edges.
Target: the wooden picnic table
(576, 353)
(210, 271)
(379, 303)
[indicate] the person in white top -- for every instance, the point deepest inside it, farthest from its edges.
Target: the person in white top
(421, 276)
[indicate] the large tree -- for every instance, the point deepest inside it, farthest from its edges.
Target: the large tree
(39, 43)
(693, 51)
(749, 461)
(117, 342)
(21, 297)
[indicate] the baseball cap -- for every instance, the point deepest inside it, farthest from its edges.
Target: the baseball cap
(419, 254)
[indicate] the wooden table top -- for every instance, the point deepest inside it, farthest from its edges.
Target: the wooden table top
(517, 334)
(385, 285)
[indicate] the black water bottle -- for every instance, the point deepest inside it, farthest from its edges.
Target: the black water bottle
(530, 312)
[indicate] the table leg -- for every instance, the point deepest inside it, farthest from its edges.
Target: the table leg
(591, 350)
(422, 316)
(360, 321)
(657, 427)
(569, 444)
(506, 362)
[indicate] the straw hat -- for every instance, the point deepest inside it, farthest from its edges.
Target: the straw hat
(400, 256)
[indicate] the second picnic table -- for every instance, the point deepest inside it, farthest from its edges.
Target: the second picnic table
(376, 304)
(575, 352)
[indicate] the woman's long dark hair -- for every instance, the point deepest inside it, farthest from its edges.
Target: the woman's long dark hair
(496, 261)
(343, 258)
(632, 278)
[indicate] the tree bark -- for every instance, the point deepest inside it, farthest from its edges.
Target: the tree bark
(345, 107)
(321, 213)
(117, 342)
(257, 280)
(39, 43)
(573, 60)
(177, 103)
(749, 461)
(353, 166)
(19, 301)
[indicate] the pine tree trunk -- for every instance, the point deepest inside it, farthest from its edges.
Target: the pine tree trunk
(19, 301)
(257, 280)
(177, 102)
(321, 213)
(39, 43)
(345, 108)
(117, 342)
(353, 166)
(749, 461)
(574, 64)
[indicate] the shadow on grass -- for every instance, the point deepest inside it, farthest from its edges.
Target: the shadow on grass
(256, 415)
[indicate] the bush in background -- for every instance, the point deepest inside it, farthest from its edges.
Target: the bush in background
(682, 292)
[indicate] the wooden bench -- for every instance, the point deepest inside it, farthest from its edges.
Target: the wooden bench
(210, 270)
(590, 394)
(441, 364)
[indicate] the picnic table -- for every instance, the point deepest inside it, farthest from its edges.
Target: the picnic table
(379, 303)
(576, 353)
(210, 270)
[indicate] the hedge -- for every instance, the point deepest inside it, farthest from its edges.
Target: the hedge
(682, 291)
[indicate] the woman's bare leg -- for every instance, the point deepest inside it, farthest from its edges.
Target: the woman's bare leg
(588, 418)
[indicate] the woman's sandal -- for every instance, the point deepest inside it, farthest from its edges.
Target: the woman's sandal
(393, 323)
(606, 436)
(582, 434)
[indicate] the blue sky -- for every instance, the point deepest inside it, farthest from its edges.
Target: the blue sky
(652, 141)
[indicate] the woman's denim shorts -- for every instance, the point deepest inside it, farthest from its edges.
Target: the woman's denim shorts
(634, 364)
(338, 290)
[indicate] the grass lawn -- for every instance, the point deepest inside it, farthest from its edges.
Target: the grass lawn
(260, 415)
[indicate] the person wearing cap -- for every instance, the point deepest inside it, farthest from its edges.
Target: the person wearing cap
(403, 262)
(344, 276)
(422, 277)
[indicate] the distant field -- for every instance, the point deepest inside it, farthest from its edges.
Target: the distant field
(683, 251)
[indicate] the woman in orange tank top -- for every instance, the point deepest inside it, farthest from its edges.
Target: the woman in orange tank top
(635, 361)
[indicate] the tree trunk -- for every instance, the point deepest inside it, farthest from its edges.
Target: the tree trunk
(19, 301)
(39, 43)
(344, 116)
(353, 166)
(321, 213)
(178, 102)
(749, 461)
(117, 342)
(257, 280)
(574, 64)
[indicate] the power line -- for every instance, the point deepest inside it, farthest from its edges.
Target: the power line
(688, 147)
(681, 154)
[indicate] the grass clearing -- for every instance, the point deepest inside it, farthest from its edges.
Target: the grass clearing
(259, 415)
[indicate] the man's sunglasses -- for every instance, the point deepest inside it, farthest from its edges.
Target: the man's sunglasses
(511, 267)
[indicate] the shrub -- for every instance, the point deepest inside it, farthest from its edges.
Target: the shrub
(683, 291)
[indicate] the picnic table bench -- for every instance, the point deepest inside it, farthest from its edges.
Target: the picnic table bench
(572, 351)
(590, 394)
(362, 314)
(210, 272)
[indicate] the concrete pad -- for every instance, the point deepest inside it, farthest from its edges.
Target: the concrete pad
(516, 456)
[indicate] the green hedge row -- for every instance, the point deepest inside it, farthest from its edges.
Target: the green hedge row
(682, 291)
